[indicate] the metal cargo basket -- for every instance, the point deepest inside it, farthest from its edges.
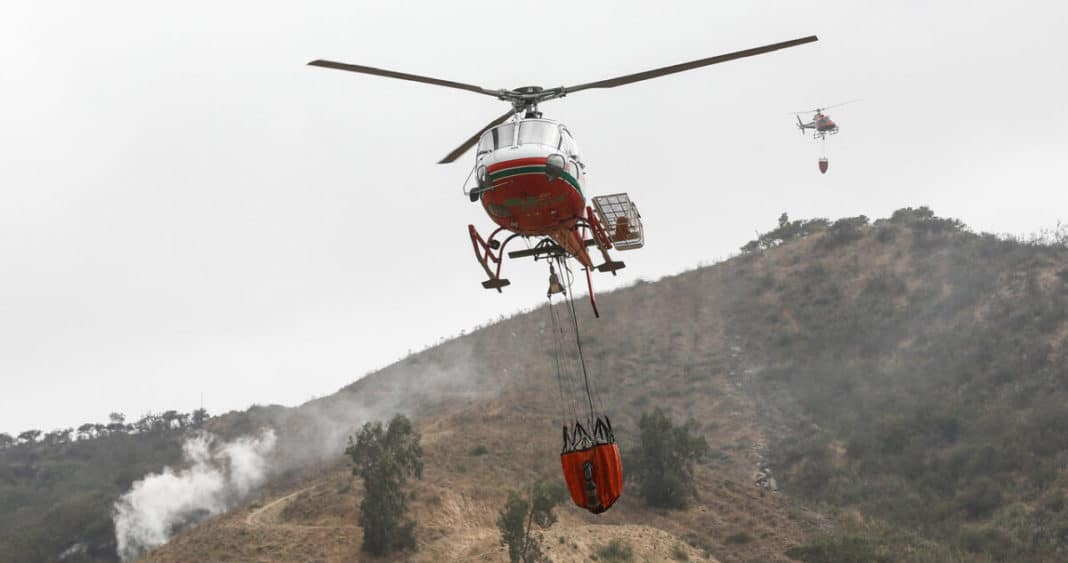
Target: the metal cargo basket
(621, 220)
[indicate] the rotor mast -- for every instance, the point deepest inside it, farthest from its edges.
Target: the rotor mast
(525, 99)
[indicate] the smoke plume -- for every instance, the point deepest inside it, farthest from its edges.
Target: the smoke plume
(215, 476)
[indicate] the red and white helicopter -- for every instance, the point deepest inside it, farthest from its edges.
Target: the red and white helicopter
(530, 177)
(821, 125)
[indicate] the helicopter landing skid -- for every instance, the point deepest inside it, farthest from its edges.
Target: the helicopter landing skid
(603, 243)
(490, 252)
(611, 266)
(496, 283)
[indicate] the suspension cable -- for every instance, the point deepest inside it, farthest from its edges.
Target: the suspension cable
(556, 358)
(578, 343)
(563, 371)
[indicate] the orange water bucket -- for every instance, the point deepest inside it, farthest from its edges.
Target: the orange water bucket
(594, 476)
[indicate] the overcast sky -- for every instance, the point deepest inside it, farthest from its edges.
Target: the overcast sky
(188, 212)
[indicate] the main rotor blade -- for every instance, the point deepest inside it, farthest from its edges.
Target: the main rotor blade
(637, 77)
(474, 139)
(402, 76)
(842, 104)
(823, 108)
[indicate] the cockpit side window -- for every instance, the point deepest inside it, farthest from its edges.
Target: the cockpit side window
(504, 135)
(567, 144)
(485, 144)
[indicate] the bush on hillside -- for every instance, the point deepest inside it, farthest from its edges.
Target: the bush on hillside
(786, 231)
(519, 516)
(664, 460)
(845, 231)
(615, 551)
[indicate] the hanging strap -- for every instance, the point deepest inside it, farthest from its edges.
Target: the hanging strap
(578, 438)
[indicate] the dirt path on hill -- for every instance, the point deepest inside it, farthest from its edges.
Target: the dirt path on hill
(270, 515)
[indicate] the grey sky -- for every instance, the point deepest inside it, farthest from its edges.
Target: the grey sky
(186, 209)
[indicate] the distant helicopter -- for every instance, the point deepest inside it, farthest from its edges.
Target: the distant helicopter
(530, 178)
(821, 125)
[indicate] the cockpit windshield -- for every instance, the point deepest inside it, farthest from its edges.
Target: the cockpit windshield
(533, 132)
(499, 137)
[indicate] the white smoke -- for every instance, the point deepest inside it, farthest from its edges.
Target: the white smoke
(215, 476)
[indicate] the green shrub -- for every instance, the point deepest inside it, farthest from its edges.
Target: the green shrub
(742, 537)
(664, 458)
(849, 549)
(980, 498)
(845, 231)
(786, 231)
(616, 551)
(520, 514)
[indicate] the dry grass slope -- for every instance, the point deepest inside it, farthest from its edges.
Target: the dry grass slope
(795, 357)
(659, 344)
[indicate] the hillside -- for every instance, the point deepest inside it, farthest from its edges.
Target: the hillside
(57, 490)
(902, 384)
(495, 388)
(902, 380)
(918, 373)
